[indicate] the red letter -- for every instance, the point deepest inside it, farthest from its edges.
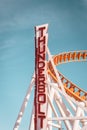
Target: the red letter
(41, 120)
(41, 98)
(41, 31)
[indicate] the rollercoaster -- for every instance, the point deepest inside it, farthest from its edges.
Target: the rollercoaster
(58, 103)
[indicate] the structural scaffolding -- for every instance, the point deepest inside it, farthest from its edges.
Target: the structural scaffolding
(66, 106)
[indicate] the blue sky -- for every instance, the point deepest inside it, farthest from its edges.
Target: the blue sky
(67, 21)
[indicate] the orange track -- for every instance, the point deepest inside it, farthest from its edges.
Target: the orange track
(70, 88)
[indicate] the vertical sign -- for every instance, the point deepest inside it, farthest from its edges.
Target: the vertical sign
(41, 39)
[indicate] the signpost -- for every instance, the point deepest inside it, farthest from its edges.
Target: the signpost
(41, 38)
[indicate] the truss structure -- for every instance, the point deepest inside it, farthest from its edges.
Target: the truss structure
(66, 103)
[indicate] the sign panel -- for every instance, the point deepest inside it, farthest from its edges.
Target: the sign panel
(41, 39)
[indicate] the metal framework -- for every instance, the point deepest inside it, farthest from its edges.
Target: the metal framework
(66, 106)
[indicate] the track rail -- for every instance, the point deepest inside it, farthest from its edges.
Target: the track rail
(70, 88)
(70, 57)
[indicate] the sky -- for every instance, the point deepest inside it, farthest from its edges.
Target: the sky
(67, 31)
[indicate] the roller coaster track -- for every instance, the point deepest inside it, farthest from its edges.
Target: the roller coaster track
(57, 102)
(70, 88)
